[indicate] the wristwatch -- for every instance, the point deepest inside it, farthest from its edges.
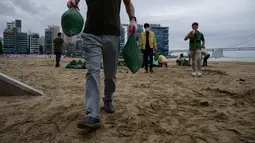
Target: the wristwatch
(132, 17)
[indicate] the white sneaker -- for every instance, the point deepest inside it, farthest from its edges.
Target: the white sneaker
(194, 73)
(199, 74)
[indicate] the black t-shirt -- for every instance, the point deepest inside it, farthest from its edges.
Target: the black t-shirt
(103, 17)
(58, 42)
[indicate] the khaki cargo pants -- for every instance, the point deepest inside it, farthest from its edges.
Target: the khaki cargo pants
(196, 60)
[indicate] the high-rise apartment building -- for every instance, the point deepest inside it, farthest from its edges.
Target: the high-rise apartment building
(162, 38)
(8, 38)
(18, 25)
(42, 40)
(42, 43)
(22, 42)
(8, 47)
(14, 38)
(48, 42)
(34, 43)
(54, 30)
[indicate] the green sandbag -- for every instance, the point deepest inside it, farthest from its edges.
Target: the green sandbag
(132, 54)
(156, 57)
(72, 22)
(80, 62)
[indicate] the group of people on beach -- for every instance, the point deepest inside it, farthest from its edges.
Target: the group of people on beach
(181, 61)
(101, 39)
(196, 50)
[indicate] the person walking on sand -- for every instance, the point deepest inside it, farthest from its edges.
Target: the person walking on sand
(58, 42)
(148, 46)
(196, 43)
(101, 37)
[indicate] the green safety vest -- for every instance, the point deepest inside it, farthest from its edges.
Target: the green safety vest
(204, 53)
(195, 41)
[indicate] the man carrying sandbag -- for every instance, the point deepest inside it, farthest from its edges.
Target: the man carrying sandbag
(148, 46)
(101, 37)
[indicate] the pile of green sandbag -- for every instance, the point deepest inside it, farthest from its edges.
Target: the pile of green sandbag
(182, 62)
(121, 63)
(76, 65)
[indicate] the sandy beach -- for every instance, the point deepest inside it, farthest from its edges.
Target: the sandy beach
(168, 106)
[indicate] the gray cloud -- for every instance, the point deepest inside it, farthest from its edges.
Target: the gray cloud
(29, 6)
(6, 9)
(223, 23)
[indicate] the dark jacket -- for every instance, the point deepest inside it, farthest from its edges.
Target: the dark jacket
(58, 43)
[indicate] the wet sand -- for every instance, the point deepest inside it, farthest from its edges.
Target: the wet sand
(168, 106)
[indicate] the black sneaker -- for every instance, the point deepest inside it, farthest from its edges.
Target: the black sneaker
(89, 122)
(108, 106)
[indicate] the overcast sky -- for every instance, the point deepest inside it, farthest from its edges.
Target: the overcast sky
(223, 22)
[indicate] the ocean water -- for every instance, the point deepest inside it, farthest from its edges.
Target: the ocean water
(225, 59)
(244, 56)
(244, 59)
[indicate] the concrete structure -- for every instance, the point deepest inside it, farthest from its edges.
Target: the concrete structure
(162, 38)
(12, 87)
(48, 42)
(34, 43)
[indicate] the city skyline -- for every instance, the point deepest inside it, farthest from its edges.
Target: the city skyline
(31, 42)
(220, 22)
